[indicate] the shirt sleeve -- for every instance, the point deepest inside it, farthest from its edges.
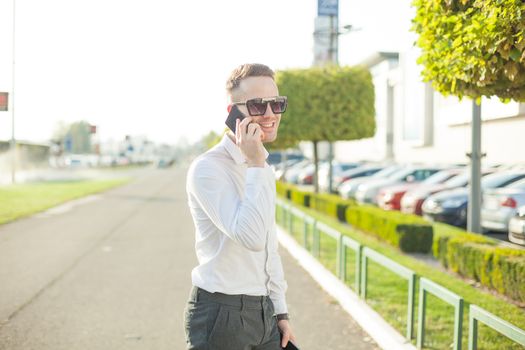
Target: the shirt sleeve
(245, 220)
(278, 284)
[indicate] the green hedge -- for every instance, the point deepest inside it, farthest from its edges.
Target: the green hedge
(331, 204)
(471, 255)
(480, 259)
(408, 232)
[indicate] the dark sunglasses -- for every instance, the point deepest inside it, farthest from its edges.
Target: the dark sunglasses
(258, 106)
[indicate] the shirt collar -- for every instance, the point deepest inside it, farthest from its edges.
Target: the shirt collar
(235, 151)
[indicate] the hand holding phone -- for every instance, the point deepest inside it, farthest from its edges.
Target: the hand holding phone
(290, 345)
(234, 114)
(253, 151)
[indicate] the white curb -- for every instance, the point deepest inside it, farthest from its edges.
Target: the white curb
(383, 333)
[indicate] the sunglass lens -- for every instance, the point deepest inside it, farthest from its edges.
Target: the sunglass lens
(256, 107)
(278, 106)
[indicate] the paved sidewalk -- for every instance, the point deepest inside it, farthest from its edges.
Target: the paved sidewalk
(113, 273)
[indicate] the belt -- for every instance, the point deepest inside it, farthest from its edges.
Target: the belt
(238, 300)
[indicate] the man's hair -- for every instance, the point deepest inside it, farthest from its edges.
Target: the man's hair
(247, 70)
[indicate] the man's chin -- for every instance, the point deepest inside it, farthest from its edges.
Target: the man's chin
(269, 137)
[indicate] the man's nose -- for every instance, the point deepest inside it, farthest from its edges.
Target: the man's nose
(268, 112)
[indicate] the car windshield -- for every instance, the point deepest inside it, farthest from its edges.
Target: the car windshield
(457, 181)
(400, 174)
(386, 172)
(498, 179)
(438, 177)
(518, 185)
(348, 166)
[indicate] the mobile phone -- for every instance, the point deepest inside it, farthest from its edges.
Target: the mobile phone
(234, 114)
(290, 345)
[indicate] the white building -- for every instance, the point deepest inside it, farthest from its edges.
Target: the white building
(416, 124)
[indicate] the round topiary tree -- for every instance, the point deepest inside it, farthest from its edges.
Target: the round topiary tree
(473, 48)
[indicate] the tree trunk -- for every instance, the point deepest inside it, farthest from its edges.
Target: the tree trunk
(330, 166)
(316, 164)
(283, 162)
(474, 200)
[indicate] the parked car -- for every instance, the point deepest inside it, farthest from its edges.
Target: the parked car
(337, 169)
(451, 206)
(517, 227)
(367, 192)
(280, 168)
(361, 171)
(348, 188)
(501, 204)
(412, 201)
(275, 157)
(306, 175)
(292, 174)
(389, 198)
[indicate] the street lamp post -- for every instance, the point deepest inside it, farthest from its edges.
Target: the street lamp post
(333, 50)
(13, 140)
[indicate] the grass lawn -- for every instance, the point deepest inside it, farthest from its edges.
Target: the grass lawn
(17, 201)
(387, 292)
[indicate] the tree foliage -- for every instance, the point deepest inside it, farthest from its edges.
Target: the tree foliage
(211, 139)
(327, 104)
(473, 48)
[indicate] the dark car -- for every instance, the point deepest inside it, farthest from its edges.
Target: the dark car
(451, 206)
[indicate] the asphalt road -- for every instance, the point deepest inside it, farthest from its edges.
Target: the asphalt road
(112, 271)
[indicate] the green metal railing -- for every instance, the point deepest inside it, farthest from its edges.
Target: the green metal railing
(321, 228)
(363, 254)
(427, 286)
(409, 275)
(347, 242)
(477, 314)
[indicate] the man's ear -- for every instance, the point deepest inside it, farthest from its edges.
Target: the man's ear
(229, 108)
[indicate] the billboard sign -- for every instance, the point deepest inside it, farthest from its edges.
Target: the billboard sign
(327, 7)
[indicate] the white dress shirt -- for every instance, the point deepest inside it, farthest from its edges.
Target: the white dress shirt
(233, 209)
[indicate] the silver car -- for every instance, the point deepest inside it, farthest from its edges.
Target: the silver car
(292, 174)
(517, 227)
(348, 188)
(501, 204)
(367, 192)
(337, 169)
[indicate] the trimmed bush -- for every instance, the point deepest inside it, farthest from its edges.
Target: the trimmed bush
(479, 258)
(508, 274)
(301, 197)
(409, 233)
(415, 237)
(502, 269)
(331, 204)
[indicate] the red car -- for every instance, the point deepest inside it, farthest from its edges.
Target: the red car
(389, 198)
(412, 201)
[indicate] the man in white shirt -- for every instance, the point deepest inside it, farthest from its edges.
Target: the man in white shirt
(238, 297)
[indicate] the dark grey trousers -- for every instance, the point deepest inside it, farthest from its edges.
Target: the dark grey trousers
(216, 321)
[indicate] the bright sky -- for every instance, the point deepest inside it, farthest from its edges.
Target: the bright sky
(158, 67)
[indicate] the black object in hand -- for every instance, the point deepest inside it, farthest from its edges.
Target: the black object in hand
(289, 346)
(234, 114)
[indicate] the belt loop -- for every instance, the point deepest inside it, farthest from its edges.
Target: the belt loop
(197, 292)
(242, 303)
